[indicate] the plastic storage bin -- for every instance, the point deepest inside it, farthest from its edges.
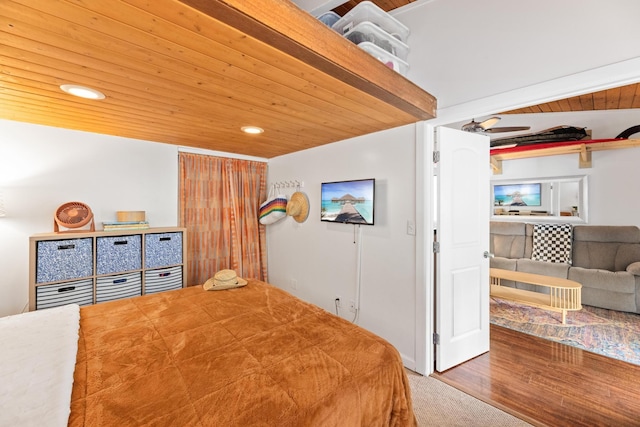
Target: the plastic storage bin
(118, 254)
(111, 288)
(329, 18)
(59, 260)
(163, 279)
(368, 32)
(162, 249)
(382, 55)
(79, 292)
(367, 11)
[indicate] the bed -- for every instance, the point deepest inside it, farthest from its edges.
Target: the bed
(254, 355)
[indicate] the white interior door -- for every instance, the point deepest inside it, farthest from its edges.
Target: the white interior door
(462, 270)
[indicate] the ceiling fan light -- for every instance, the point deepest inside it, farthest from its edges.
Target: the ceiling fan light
(489, 122)
(500, 147)
(82, 91)
(253, 130)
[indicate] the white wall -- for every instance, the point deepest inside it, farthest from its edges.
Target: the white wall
(464, 50)
(613, 181)
(613, 175)
(321, 256)
(43, 167)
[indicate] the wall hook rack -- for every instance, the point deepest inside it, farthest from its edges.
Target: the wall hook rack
(288, 184)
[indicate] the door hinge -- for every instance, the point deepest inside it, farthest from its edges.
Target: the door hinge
(436, 339)
(436, 247)
(436, 156)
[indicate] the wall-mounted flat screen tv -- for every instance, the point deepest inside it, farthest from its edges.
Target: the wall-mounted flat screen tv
(348, 202)
(517, 195)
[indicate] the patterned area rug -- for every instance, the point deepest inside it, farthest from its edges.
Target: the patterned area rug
(610, 333)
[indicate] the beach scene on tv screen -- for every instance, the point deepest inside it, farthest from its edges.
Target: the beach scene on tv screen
(517, 195)
(350, 201)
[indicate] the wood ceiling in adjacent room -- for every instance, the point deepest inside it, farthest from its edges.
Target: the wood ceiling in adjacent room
(386, 5)
(192, 72)
(619, 98)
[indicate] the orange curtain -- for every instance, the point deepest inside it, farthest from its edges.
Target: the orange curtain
(219, 203)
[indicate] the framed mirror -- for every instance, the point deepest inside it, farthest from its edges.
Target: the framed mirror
(554, 199)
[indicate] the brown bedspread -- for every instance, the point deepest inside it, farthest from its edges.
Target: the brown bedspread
(251, 356)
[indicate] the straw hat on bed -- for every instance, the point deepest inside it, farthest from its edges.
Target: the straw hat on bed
(224, 279)
(298, 206)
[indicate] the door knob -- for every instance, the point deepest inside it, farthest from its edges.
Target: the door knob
(488, 254)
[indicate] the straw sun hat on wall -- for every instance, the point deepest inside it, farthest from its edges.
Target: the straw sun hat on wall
(298, 206)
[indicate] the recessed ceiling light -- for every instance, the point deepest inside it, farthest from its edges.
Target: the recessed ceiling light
(82, 91)
(254, 130)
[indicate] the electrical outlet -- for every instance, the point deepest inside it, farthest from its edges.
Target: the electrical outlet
(293, 283)
(338, 301)
(352, 306)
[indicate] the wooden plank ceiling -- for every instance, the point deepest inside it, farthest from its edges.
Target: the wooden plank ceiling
(619, 98)
(386, 5)
(193, 72)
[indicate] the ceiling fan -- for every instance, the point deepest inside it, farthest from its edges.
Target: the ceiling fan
(486, 126)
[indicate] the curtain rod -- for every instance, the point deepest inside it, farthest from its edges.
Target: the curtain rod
(206, 152)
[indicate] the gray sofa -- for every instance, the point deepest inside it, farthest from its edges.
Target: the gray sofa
(605, 260)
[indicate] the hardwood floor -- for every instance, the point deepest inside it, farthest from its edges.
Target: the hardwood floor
(547, 383)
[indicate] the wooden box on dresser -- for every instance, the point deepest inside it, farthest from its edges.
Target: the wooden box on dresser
(97, 266)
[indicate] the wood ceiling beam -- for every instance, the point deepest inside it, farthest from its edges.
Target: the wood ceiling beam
(194, 72)
(291, 30)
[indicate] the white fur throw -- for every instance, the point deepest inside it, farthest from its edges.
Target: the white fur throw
(37, 361)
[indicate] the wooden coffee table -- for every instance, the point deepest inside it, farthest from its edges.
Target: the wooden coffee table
(564, 295)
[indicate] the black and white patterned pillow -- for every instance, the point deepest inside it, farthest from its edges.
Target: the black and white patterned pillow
(552, 242)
